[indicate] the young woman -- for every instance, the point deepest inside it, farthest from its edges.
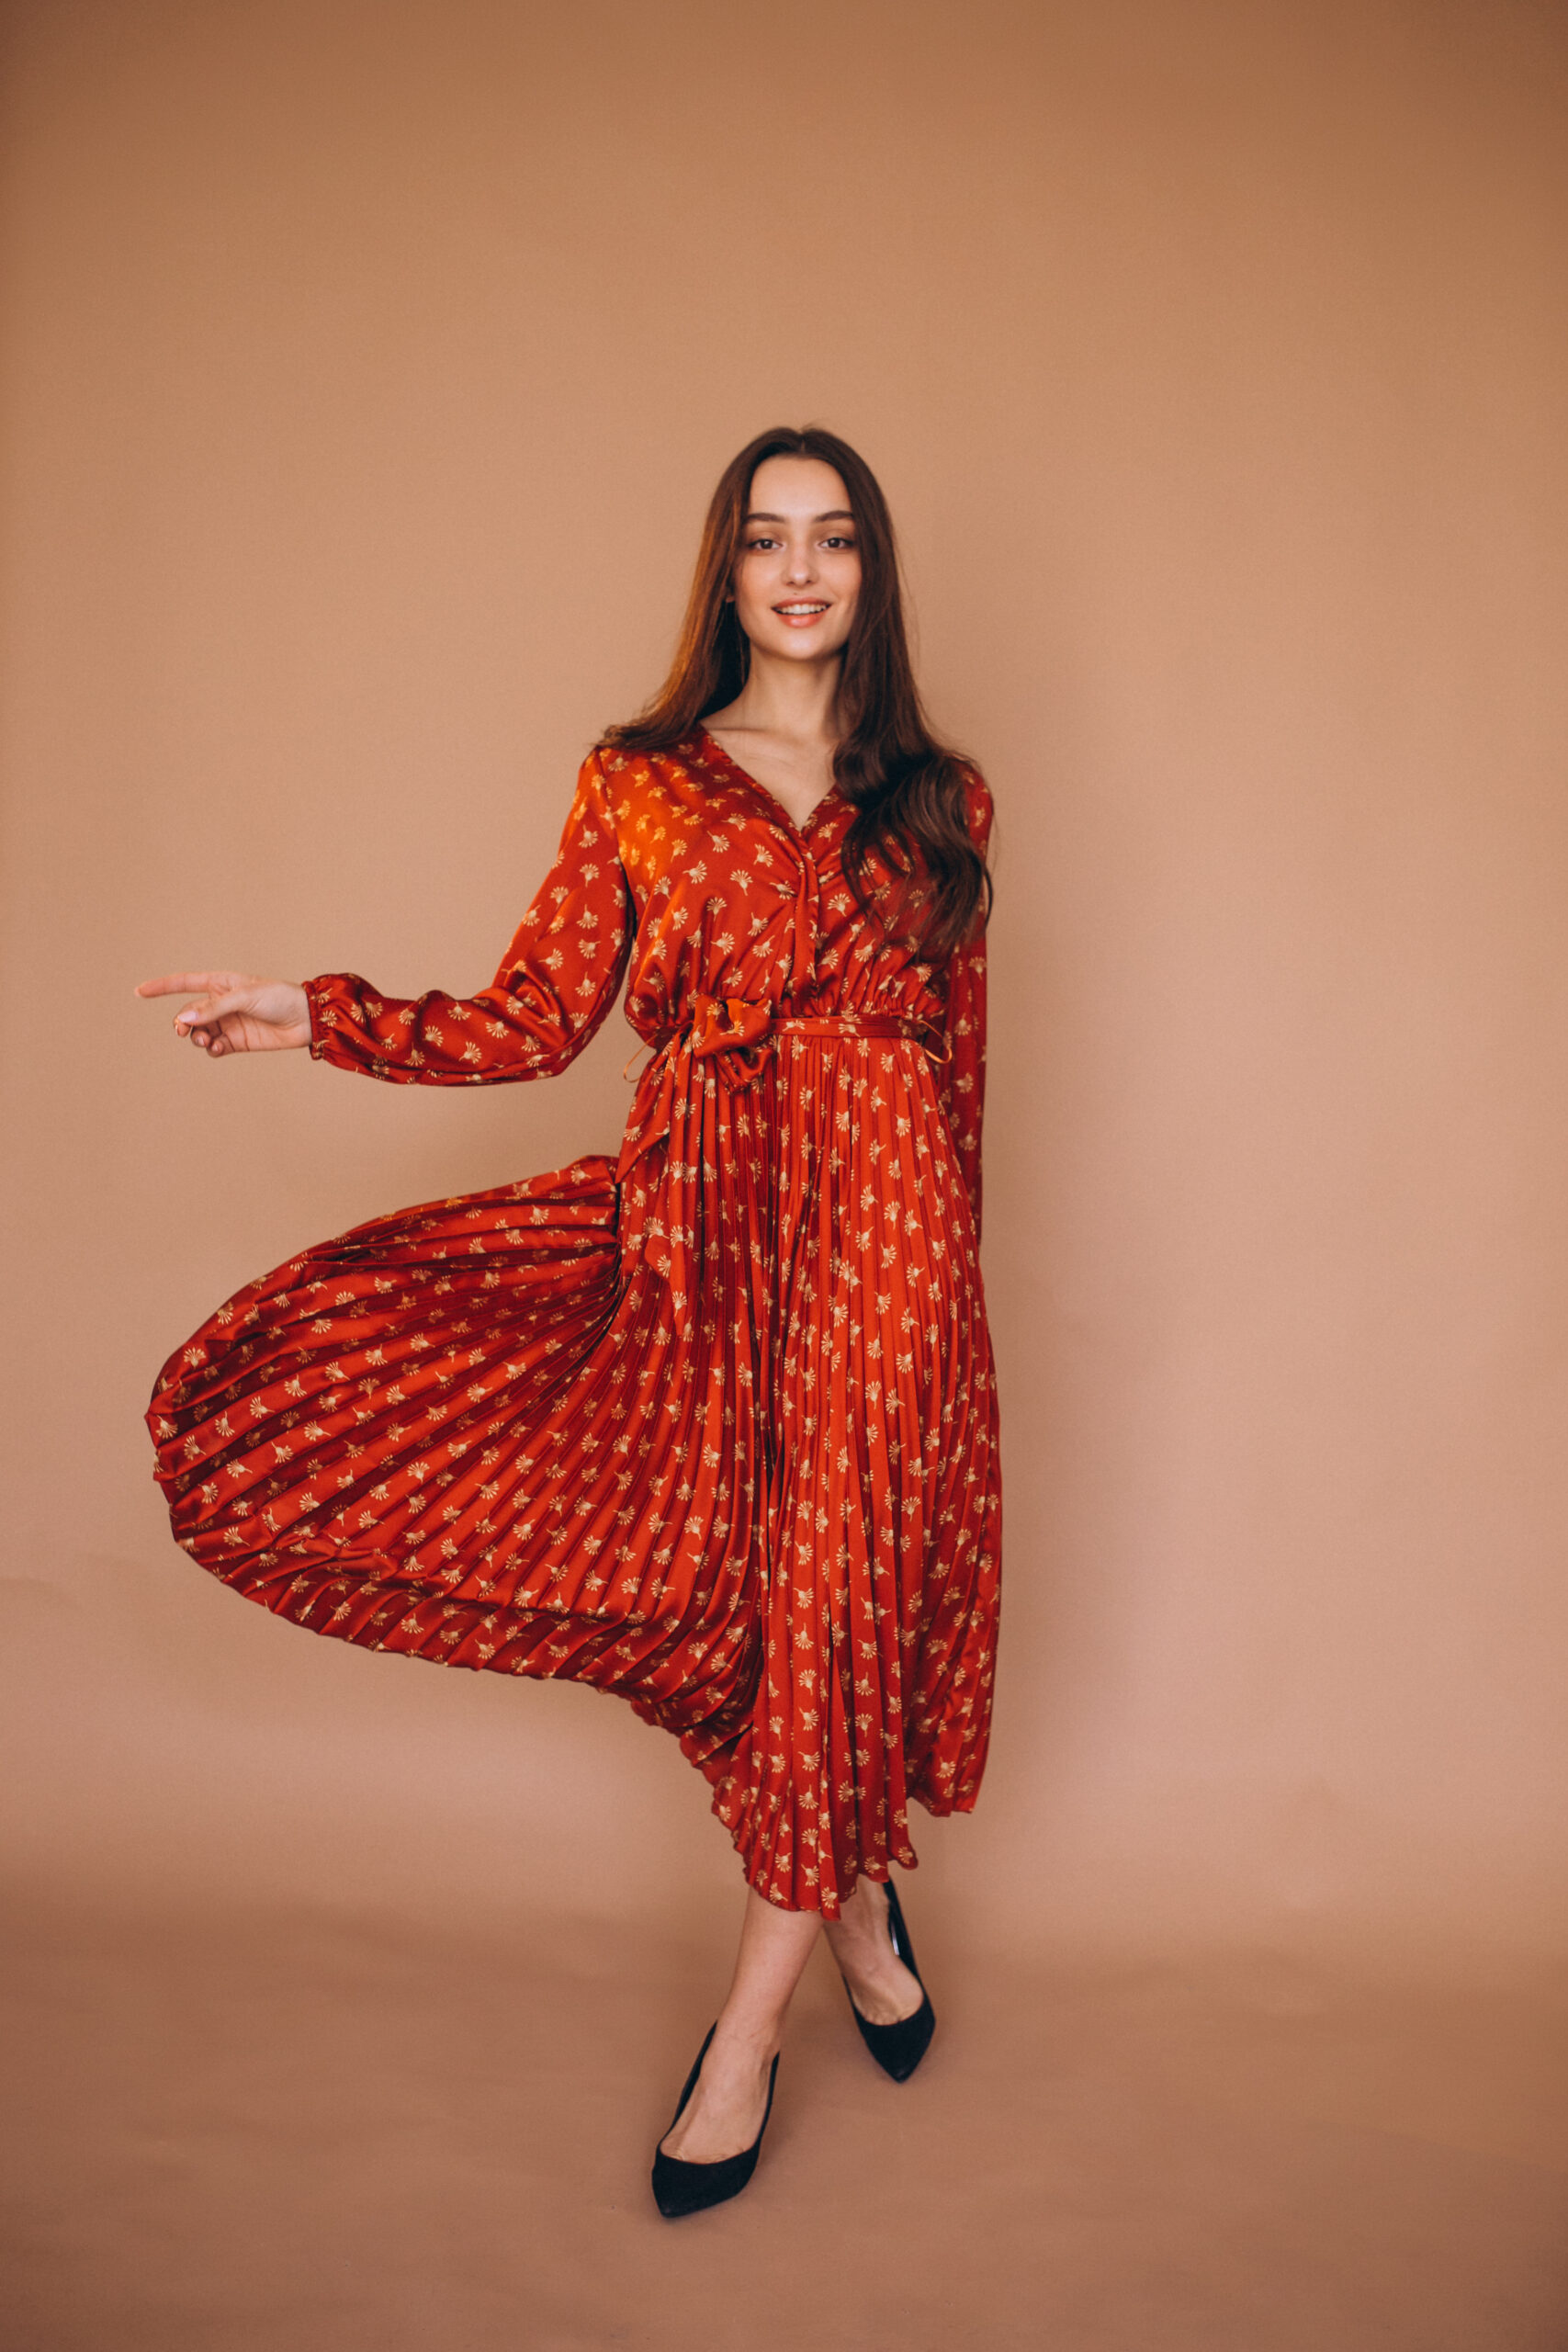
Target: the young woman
(712, 1425)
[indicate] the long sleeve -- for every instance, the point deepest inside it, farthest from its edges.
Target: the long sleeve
(556, 981)
(963, 1074)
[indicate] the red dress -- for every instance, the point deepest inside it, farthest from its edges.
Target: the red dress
(713, 1425)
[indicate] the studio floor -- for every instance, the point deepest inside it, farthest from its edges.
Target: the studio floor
(318, 2133)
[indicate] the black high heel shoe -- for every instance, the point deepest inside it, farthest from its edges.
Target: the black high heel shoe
(899, 2048)
(680, 2188)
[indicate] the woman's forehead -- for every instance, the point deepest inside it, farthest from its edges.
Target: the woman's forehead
(796, 485)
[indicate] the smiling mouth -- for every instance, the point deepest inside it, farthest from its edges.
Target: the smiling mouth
(800, 612)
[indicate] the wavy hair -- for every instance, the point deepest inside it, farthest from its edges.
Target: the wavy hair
(906, 787)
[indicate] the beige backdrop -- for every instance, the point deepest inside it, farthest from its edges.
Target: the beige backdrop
(366, 369)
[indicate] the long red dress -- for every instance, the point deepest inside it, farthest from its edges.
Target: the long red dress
(712, 1425)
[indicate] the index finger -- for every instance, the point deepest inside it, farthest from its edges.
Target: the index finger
(183, 983)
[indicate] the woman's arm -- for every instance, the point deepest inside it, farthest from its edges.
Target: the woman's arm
(556, 981)
(962, 1076)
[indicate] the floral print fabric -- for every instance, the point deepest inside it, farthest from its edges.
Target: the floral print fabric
(711, 1426)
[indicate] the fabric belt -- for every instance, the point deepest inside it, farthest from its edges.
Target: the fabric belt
(721, 1024)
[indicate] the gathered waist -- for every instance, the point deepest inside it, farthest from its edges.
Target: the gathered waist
(728, 1024)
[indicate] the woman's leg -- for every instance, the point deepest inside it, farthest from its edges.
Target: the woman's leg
(725, 2112)
(881, 1987)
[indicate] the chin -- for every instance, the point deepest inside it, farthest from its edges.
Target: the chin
(803, 648)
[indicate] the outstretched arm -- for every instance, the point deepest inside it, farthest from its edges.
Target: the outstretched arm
(556, 981)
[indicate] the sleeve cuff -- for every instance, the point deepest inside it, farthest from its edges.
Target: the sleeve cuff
(317, 998)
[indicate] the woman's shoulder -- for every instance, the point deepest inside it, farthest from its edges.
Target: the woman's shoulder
(612, 759)
(615, 756)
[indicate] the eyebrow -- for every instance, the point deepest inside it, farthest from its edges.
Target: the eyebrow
(834, 515)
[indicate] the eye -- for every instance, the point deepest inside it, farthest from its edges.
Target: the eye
(763, 542)
(838, 540)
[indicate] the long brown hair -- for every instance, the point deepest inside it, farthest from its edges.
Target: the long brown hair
(906, 787)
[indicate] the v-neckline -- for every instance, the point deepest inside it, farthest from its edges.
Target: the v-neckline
(773, 799)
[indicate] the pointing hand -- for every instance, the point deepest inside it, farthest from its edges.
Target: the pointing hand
(236, 1012)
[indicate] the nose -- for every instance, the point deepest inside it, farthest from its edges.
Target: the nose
(801, 567)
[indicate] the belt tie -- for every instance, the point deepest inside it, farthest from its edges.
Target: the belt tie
(737, 1035)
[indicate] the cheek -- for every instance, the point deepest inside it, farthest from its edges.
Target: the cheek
(848, 589)
(752, 590)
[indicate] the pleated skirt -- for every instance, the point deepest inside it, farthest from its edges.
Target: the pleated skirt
(765, 1510)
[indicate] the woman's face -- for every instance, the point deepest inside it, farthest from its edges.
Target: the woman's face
(797, 576)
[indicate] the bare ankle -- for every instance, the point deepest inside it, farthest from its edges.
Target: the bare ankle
(748, 2041)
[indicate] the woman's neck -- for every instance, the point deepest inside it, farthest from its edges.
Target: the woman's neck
(793, 702)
